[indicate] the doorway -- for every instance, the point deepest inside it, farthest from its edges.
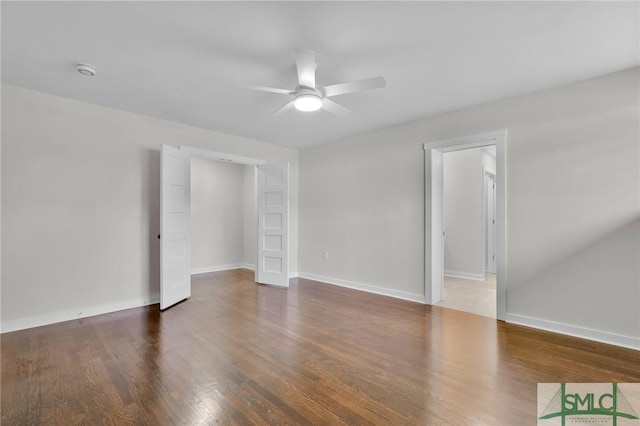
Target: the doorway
(223, 216)
(468, 286)
(272, 219)
(434, 236)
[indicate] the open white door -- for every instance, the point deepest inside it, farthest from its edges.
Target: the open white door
(437, 241)
(175, 205)
(273, 225)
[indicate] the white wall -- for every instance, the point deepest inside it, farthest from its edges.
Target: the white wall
(463, 213)
(217, 215)
(80, 204)
(573, 206)
(488, 161)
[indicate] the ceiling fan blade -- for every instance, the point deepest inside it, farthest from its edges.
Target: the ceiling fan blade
(354, 86)
(334, 108)
(265, 89)
(306, 65)
(287, 107)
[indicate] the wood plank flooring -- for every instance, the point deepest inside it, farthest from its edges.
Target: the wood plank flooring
(240, 353)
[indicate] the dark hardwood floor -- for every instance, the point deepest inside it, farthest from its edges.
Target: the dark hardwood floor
(240, 353)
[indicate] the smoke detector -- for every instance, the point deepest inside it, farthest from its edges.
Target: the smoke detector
(86, 69)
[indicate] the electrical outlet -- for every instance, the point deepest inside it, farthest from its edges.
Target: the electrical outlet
(325, 255)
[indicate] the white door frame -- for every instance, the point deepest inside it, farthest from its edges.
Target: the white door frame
(219, 156)
(433, 212)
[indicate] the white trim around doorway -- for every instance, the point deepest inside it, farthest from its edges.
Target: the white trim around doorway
(434, 268)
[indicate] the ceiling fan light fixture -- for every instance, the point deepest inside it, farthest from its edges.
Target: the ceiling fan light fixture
(307, 102)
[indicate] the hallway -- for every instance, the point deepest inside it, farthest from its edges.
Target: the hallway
(477, 297)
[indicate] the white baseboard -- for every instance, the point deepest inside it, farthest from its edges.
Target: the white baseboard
(466, 275)
(72, 314)
(575, 331)
(365, 287)
(217, 268)
(248, 266)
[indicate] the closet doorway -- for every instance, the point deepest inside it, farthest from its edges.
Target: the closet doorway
(272, 211)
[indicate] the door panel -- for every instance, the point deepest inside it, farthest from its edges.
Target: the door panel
(175, 194)
(437, 240)
(273, 225)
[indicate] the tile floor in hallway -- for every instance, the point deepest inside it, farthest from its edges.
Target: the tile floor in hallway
(477, 297)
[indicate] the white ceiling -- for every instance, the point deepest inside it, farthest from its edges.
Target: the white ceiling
(175, 60)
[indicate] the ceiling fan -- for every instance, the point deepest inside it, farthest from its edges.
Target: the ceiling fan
(309, 97)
